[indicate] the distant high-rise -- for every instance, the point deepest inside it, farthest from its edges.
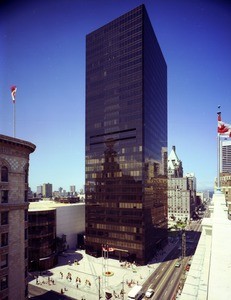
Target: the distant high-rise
(126, 138)
(72, 189)
(47, 190)
(226, 156)
(14, 166)
(39, 190)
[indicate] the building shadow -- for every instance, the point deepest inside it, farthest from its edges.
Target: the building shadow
(48, 295)
(69, 258)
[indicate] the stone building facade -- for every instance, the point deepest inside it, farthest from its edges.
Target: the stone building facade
(14, 166)
(181, 191)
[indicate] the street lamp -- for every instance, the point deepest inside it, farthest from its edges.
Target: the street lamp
(99, 288)
(123, 292)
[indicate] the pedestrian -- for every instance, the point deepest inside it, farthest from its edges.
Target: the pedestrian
(62, 292)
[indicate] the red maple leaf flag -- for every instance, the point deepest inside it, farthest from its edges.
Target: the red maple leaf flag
(223, 128)
(13, 92)
(106, 248)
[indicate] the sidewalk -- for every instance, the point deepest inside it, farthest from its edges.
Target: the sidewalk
(82, 280)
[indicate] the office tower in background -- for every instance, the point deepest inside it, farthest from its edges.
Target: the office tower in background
(72, 189)
(47, 190)
(39, 190)
(126, 137)
(225, 156)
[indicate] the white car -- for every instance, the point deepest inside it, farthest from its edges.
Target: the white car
(149, 293)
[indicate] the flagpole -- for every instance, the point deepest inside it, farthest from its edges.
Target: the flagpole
(218, 162)
(218, 151)
(14, 117)
(13, 95)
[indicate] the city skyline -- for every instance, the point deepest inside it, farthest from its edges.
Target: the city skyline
(46, 61)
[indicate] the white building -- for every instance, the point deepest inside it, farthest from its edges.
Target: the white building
(70, 219)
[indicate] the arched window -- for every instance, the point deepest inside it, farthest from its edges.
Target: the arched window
(4, 174)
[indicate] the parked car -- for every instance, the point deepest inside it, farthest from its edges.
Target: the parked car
(149, 293)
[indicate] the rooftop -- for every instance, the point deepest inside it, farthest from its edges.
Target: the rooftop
(48, 204)
(210, 272)
(17, 142)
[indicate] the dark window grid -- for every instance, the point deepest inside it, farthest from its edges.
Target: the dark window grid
(4, 196)
(4, 174)
(4, 239)
(4, 217)
(4, 282)
(4, 261)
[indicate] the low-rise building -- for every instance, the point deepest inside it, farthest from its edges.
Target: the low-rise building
(67, 221)
(42, 238)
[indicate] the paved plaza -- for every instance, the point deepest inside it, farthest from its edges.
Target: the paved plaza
(81, 276)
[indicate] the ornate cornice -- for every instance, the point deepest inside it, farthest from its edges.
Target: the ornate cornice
(7, 140)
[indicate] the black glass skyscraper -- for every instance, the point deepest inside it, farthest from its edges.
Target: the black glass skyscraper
(126, 139)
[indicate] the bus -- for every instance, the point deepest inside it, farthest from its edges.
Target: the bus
(135, 292)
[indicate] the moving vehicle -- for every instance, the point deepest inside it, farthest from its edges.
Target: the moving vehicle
(177, 264)
(135, 293)
(149, 293)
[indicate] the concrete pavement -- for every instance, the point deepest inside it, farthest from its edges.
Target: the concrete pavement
(80, 276)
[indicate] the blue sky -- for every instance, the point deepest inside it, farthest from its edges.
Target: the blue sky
(42, 52)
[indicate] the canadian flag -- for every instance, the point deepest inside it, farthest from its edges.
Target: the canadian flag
(106, 248)
(223, 128)
(13, 92)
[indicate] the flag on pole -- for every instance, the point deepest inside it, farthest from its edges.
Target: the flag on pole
(223, 128)
(106, 248)
(13, 92)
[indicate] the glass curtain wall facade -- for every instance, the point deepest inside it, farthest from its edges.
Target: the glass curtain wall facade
(126, 136)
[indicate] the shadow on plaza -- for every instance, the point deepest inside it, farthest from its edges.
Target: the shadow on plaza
(46, 295)
(69, 257)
